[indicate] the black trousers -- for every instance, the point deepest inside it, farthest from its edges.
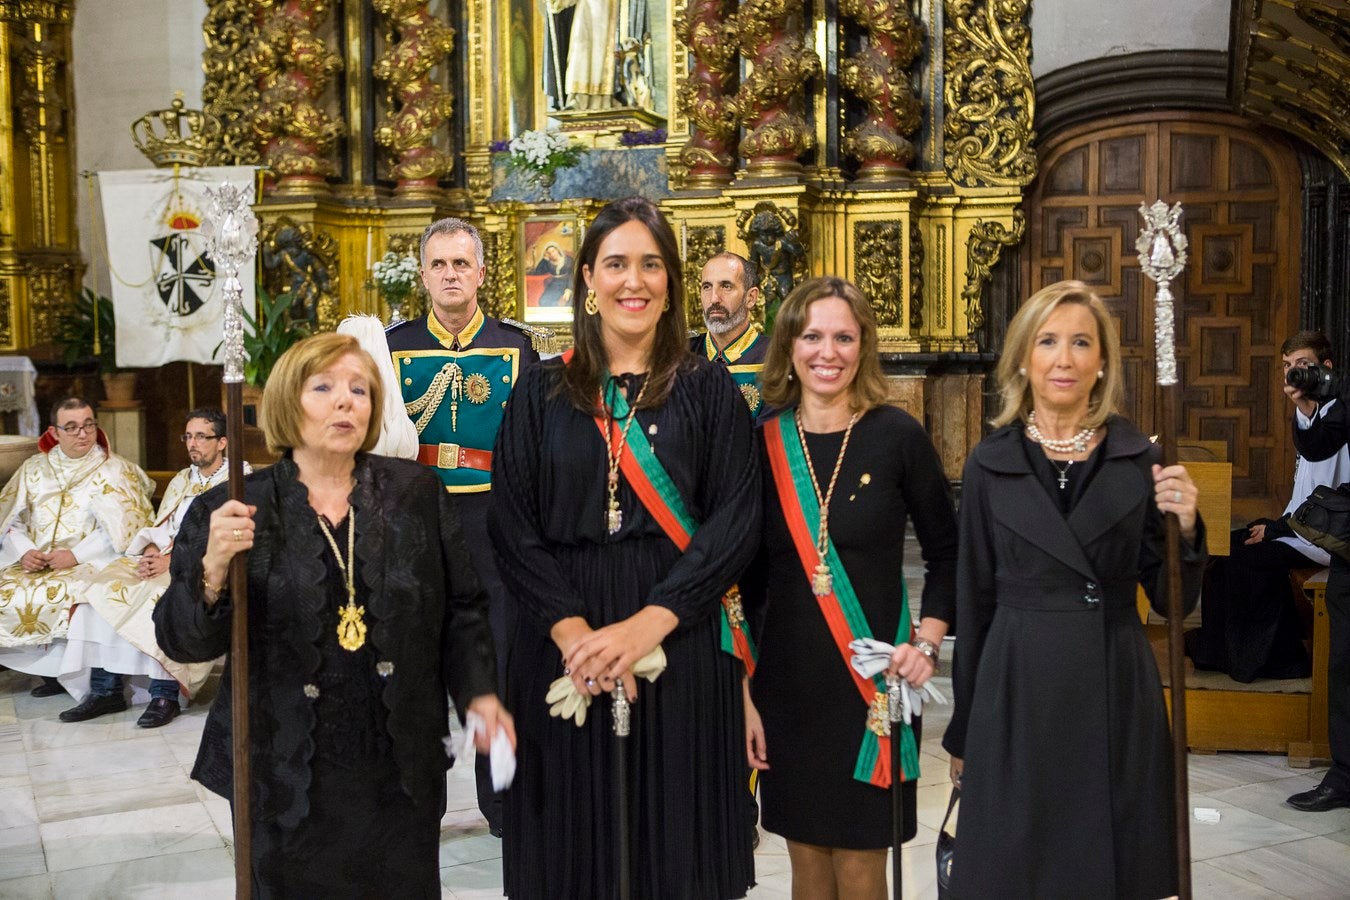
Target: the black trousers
(1338, 676)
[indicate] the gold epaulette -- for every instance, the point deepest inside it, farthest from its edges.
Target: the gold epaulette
(543, 340)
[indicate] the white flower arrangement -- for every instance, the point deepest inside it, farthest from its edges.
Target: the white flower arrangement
(396, 277)
(543, 153)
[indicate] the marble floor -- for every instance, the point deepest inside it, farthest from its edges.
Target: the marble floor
(104, 810)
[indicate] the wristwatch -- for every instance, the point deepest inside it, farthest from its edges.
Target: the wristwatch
(928, 649)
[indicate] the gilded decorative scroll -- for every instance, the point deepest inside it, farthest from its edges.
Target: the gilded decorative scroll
(879, 265)
(990, 95)
(50, 12)
(51, 284)
(501, 298)
(703, 26)
(295, 64)
(984, 247)
(770, 103)
(230, 92)
(303, 262)
(701, 243)
(417, 108)
(879, 75)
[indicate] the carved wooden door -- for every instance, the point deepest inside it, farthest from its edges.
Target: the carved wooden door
(1238, 298)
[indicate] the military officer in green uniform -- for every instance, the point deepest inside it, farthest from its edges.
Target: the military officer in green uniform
(456, 367)
(728, 292)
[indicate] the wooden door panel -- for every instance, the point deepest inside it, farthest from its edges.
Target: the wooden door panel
(1237, 300)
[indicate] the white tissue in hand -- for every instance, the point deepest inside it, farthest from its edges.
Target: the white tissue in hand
(501, 758)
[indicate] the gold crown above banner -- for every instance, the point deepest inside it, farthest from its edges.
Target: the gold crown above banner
(177, 135)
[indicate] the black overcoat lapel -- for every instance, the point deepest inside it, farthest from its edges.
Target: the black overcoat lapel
(1021, 503)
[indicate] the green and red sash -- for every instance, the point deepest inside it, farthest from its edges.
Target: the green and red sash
(843, 613)
(659, 496)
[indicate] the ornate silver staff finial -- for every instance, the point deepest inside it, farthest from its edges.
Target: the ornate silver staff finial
(1162, 256)
(622, 712)
(231, 232)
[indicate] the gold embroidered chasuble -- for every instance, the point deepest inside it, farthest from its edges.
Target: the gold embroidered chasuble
(127, 601)
(55, 502)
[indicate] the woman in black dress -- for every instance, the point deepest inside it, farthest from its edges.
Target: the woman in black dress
(838, 446)
(602, 584)
(363, 612)
(1059, 738)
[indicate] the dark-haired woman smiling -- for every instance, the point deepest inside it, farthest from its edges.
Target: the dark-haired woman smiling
(598, 454)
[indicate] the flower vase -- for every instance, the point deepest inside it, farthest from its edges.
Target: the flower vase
(545, 181)
(395, 303)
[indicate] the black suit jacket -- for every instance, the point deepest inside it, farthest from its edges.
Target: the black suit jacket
(427, 617)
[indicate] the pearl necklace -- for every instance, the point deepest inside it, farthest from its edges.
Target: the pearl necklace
(1076, 444)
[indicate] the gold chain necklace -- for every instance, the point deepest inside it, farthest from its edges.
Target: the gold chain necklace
(822, 582)
(351, 629)
(614, 515)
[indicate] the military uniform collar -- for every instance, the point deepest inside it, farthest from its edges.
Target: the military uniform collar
(465, 336)
(736, 349)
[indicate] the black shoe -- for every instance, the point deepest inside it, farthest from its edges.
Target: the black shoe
(1320, 799)
(93, 707)
(47, 689)
(161, 711)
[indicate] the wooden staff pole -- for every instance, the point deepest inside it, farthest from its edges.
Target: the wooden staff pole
(1162, 256)
(232, 233)
(895, 709)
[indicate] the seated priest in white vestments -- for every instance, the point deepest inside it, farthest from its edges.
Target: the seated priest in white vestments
(125, 592)
(71, 509)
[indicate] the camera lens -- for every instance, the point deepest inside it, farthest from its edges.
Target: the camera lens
(1316, 382)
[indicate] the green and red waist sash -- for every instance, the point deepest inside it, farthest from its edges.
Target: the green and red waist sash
(659, 496)
(843, 613)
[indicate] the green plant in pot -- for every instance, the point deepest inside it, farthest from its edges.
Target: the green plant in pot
(268, 335)
(90, 323)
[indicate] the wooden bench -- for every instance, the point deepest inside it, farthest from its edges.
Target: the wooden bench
(1268, 716)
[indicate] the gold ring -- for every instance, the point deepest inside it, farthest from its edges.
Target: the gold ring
(238, 534)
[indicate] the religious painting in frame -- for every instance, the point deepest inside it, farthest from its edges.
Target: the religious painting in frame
(548, 246)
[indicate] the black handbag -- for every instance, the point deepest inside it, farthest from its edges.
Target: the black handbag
(946, 844)
(1324, 519)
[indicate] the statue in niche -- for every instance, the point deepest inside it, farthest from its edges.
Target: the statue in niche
(776, 250)
(597, 54)
(292, 264)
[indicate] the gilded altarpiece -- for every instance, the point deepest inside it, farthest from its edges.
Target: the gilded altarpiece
(39, 260)
(889, 142)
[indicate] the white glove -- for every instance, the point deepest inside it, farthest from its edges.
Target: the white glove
(871, 656)
(567, 702)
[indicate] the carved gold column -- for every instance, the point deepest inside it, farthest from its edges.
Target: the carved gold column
(417, 107)
(770, 100)
(703, 27)
(296, 64)
(879, 75)
(230, 92)
(39, 263)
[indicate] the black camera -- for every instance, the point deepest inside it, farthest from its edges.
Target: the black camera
(1316, 382)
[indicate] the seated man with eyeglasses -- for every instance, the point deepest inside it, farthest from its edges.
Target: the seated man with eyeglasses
(72, 508)
(124, 593)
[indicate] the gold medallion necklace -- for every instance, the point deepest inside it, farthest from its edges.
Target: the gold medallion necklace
(613, 514)
(822, 582)
(351, 629)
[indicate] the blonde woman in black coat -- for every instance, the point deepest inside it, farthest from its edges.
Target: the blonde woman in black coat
(1059, 739)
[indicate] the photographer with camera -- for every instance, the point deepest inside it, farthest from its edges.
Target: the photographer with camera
(1321, 433)
(1249, 626)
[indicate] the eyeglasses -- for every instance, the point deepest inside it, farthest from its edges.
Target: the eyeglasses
(198, 437)
(86, 428)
